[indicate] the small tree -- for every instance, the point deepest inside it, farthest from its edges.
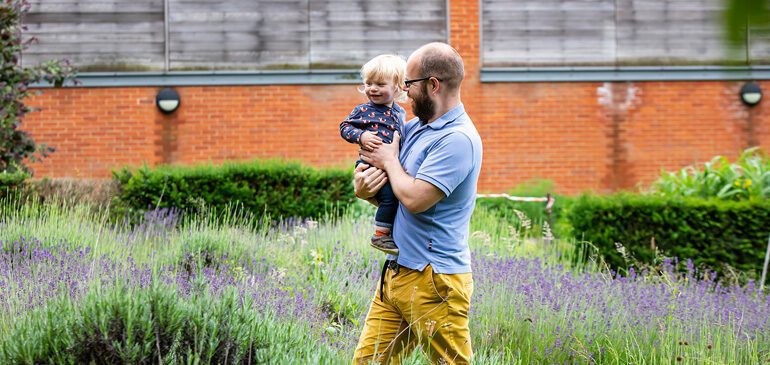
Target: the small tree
(17, 146)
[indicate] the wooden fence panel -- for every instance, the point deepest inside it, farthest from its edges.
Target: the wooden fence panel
(122, 35)
(238, 34)
(97, 35)
(548, 32)
(118, 35)
(759, 46)
(611, 32)
(666, 32)
(350, 32)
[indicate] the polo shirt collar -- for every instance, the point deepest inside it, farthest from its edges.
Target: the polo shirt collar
(448, 117)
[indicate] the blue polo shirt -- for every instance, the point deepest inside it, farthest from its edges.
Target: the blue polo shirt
(446, 153)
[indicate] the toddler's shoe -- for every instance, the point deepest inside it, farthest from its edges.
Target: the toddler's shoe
(385, 244)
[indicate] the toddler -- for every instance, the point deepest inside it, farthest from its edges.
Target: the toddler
(373, 123)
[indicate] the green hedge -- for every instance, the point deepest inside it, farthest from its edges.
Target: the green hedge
(711, 232)
(12, 182)
(280, 189)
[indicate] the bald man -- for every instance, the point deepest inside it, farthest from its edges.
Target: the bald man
(424, 293)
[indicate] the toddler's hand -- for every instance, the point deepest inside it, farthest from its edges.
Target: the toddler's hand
(369, 141)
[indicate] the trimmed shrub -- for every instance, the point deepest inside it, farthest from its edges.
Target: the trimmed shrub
(12, 183)
(710, 232)
(279, 189)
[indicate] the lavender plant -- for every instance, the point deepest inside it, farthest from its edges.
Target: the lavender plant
(542, 313)
(126, 325)
(303, 288)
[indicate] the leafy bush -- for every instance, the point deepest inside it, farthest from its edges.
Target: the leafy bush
(16, 146)
(278, 189)
(749, 177)
(711, 232)
(11, 182)
(157, 326)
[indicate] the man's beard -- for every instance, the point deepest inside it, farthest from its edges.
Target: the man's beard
(422, 106)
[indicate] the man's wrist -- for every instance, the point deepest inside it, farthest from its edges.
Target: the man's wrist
(359, 196)
(390, 164)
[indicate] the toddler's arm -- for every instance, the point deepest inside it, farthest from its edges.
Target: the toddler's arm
(348, 131)
(369, 141)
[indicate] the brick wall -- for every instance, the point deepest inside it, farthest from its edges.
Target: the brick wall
(583, 136)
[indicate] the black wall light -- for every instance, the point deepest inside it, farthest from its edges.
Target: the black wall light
(167, 100)
(751, 94)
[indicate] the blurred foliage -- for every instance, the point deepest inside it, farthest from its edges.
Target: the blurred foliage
(742, 15)
(17, 146)
(11, 183)
(747, 178)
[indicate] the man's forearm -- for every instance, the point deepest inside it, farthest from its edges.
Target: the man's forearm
(414, 194)
(405, 188)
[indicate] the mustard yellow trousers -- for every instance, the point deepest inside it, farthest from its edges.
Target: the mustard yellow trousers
(418, 309)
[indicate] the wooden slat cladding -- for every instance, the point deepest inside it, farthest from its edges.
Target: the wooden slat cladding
(608, 32)
(99, 35)
(349, 32)
(238, 34)
(671, 32)
(117, 35)
(548, 32)
(759, 46)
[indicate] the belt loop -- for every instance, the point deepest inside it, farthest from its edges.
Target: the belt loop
(393, 265)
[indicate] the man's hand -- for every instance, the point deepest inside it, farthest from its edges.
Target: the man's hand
(385, 154)
(369, 141)
(368, 180)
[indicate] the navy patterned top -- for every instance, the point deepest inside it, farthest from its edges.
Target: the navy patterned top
(378, 119)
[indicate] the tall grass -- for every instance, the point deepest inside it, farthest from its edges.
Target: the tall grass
(304, 288)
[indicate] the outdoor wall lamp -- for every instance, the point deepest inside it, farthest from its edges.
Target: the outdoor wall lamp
(751, 94)
(167, 100)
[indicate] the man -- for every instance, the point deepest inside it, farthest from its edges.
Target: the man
(424, 294)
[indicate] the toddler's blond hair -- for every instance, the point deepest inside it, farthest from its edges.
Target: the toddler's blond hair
(386, 67)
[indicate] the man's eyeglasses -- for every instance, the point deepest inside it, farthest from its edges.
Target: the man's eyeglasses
(408, 83)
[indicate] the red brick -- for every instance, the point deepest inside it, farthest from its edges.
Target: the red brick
(556, 131)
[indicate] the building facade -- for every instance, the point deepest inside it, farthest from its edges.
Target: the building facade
(586, 94)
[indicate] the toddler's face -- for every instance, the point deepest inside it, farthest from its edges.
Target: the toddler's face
(380, 91)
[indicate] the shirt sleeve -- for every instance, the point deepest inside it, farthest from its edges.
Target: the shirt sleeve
(448, 162)
(347, 130)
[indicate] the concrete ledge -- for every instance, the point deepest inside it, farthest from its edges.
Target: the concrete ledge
(215, 78)
(488, 75)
